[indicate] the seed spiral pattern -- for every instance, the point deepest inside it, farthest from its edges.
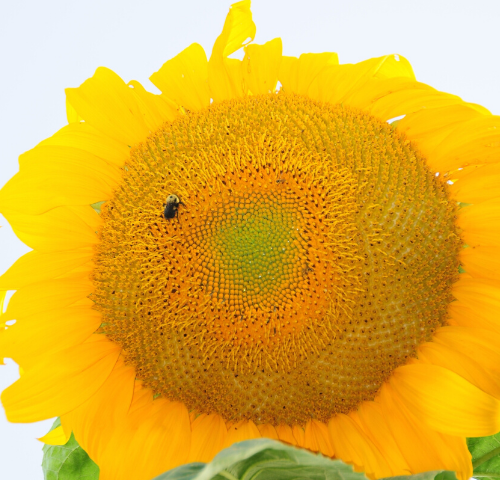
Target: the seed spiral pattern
(312, 253)
(256, 251)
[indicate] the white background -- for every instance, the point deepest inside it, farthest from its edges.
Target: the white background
(48, 45)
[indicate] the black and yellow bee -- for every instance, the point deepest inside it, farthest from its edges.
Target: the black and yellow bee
(171, 207)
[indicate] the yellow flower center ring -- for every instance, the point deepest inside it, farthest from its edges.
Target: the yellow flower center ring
(312, 252)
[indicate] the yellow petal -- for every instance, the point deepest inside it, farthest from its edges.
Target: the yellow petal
(470, 341)
(142, 400)
(208, 437)
(156, 438)
(410, 100)
(475, 142)
(481, 297)
(156, 109)
(22, 194)
(372, 421)
(317, 438)
(72, 114)
(83, 136)
(391, 66)
(184, 78)
(225, 74)
(428, 127)
(49, 331)
(57, 158)
(297, 74)
(2, 328)
(268, 431)
(462, 364)
(351, 445)
(48, 295)
(465, 316)
(478, 185)
(299, 435)
(106, 103)
(58, 229)
(445, 401)
(69, 177)
(481, 223)
(345, 83)
(103, 412)
(35, 267)
(55, 437)
(424, 449)
(456, 455)
(285, 434)
(60, 382)
(260, 67)
(2, 301)
(241, 430)
(176, 433)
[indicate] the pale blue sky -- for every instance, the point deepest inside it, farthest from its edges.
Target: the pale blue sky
(48, 45)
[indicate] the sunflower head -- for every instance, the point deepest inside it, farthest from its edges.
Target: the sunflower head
(282, 260)
(286, 263)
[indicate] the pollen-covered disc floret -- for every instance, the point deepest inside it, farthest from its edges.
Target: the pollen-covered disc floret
(312, 252)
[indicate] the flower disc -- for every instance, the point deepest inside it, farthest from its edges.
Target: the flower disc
(312, 252)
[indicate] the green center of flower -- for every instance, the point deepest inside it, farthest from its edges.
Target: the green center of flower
(255, 251)
(313, 251)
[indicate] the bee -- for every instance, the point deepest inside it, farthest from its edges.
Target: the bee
(171, 207)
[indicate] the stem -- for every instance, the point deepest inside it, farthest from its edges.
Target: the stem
(486, 457)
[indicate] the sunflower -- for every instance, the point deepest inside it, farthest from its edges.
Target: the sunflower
(315, 263)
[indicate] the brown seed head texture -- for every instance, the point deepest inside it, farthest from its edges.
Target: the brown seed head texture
(313, 252)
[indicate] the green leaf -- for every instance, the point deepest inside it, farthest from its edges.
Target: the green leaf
(443, 476)
(67, 462)
(265, 459)
(485, 453)
(186, 472)
(433, 475)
